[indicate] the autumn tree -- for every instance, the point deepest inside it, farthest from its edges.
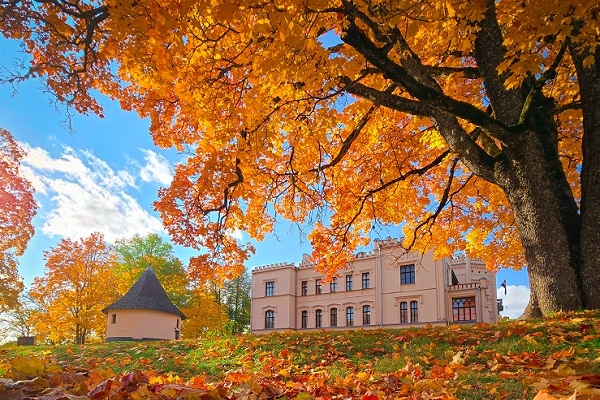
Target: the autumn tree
(204, 314)
(236, 297)
(476, 124)
(140, 252)
(18, 319)
(17, 209)
(77, 284)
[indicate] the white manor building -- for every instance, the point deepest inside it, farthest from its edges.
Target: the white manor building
(384, 288)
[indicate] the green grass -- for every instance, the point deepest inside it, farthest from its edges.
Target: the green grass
(506, 360)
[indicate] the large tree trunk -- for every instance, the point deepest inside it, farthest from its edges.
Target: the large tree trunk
(537, 190)
(532, 177)
(589, 82)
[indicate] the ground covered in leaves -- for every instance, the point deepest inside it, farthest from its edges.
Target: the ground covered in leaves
(547, 359)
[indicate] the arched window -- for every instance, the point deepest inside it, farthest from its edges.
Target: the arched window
(269, 319)
(366, 315)
(333, 317)
(349, 316)
(403, 312)
(304, 319)
(414, 312)
(318, 318)
(464, 309)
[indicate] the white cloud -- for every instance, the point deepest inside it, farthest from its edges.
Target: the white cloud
(157, 168)
(514, 301)
(236, 234)
(87, 196)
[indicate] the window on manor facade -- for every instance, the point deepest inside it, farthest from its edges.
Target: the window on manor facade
(333, 317)
(333, 285)
(304, 288)
(304, 319)
(349, 316)
(318, 287)
(348, 282)
(269, 319)
(414, 312)
(407, 274)
(114, 319)
(403, 312)
(366, 315)
(318, 318)
(270, 289)
(464, 309)
(366, 278)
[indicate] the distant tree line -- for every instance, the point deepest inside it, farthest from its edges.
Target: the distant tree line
(83, 276)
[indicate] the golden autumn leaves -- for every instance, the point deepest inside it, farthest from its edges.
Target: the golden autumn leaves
(551, 359)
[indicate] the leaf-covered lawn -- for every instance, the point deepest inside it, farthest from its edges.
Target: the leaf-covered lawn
(546, 359)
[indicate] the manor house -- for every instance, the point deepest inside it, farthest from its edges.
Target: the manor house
(388, 287)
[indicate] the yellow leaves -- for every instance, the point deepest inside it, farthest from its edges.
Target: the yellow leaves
(77, 285)
(588, 61)
(458, 358)
(25, 367)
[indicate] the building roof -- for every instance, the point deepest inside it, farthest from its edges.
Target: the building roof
(148, 294)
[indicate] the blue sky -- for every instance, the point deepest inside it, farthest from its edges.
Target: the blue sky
(105, 175)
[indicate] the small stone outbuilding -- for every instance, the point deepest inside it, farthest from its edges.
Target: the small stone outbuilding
(144, 313)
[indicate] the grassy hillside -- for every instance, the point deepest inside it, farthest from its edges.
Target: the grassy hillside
(509, 360)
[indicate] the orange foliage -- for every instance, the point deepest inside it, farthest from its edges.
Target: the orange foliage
(17, 208)
(481, 361)
(257, 94)
(78, 283)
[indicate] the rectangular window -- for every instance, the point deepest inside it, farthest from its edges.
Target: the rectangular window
(318, 287)
(366, 315)
(270, 289)
(407, 274)
(333, 285)
(269, 319)
(349, 316)
(365, 280)
(348, 282)
(304, 290)
(333, 317)
(113, 319)
(414, 312)
(318, 318)
(403, 312)
(304, 319)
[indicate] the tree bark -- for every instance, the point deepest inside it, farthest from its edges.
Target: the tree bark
(527, 178)
(531, 175)
(589, 83)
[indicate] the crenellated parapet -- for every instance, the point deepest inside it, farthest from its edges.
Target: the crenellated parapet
(462, 259)
(271, 267)
(364, 254)
(386, 243)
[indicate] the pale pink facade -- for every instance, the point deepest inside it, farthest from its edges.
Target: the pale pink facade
(384, 288)
(137, 324)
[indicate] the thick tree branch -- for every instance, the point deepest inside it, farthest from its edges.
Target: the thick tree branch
(489, 52)
(433, 97)
(478, 160)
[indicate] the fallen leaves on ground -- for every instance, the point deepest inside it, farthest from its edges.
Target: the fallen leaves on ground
(547, 360)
